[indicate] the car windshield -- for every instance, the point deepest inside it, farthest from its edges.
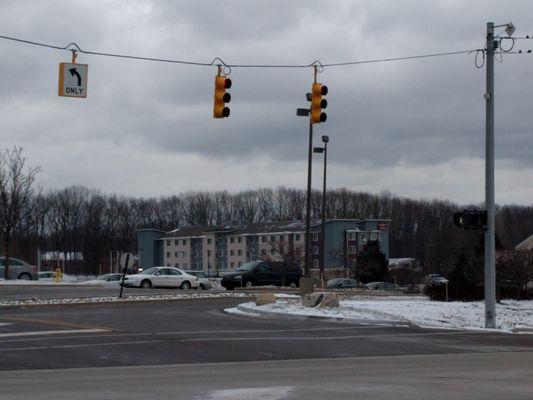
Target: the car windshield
(248, 266)
(149, 271)
(104, 277)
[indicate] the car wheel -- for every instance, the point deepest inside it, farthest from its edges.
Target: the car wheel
(185, 285)
(25, 277)
(202, 286)
(249, 284)
(146, 284)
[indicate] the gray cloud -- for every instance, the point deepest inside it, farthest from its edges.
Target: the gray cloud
(408, 115)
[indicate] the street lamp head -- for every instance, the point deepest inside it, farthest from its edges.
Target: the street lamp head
(510, 29)
(325, 138)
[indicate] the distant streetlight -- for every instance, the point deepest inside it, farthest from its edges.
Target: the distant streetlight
(325, 140)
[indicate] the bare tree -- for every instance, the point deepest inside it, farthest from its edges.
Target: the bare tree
(16, 194)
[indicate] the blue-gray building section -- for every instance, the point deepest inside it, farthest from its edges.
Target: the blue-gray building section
(335, 232)
(150, 248)
(197, 253)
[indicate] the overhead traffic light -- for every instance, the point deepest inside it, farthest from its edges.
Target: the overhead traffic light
(221, 97)
(318, 103)
(471, 219)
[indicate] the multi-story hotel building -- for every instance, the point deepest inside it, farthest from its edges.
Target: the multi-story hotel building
(220, 249)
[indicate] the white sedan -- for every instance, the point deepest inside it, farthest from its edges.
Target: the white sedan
(162, 277)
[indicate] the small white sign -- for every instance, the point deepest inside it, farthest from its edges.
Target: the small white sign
(73, 80)
(126, 258)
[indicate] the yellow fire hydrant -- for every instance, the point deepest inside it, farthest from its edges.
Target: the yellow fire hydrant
(58, 275)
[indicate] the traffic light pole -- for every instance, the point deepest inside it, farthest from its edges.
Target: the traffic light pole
(307, 259)
(490, 233)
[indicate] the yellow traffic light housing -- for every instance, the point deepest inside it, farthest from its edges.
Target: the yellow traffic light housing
(221, 97)
(318, 103)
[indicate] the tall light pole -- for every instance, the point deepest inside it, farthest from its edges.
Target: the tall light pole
(325, 140)
(490, 233)
(490, 274)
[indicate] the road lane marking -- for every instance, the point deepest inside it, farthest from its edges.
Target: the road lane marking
(57, 323)
(6, 323)
(187, 340)
(38, 333)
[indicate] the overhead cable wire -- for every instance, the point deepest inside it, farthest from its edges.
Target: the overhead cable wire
(218, 62)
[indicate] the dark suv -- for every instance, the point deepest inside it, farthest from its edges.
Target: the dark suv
(261, 273)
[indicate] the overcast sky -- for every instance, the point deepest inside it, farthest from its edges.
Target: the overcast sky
(414, 128)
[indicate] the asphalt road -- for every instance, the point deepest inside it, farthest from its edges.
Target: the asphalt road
(466, 376)
(193, 350)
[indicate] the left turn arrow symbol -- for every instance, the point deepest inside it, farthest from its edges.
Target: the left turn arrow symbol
(75, 73)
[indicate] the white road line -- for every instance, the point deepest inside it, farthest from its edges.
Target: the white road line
(291, 338)
(6, 323)
(59, 332)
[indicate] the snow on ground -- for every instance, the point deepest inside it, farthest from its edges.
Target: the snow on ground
(113, 299)
(510, 315)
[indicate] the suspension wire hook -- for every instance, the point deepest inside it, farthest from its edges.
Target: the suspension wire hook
(222, 66)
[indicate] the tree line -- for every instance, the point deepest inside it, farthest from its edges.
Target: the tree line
(80, 219)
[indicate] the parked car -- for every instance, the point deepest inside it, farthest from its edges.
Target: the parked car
(261, 273)
(50, 276)
(387, 286)
(18, 269)
(341, 283)
(106, 280)
(47, 275)
(203, 280)
(162, 277)
(435, 280)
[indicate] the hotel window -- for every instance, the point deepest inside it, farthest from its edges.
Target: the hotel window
(175, 254)
(239, 252)
(315, 236)
(175, 242)
(176, 265)
(184, 242)
(232, 264)
(315, 249)
(315, 263)
(168, 254)
(232, 252)
(351, 235)
(272, 251)
(208, 253)
(272, 238)
(263, 252)
(232, 240)
(208, 240)
(374, 236)
(351, 249)
(239, 239)
(363, 238)
(297, 237)
(168, 242)
(263, 239)
(281, 238)
(240, 263)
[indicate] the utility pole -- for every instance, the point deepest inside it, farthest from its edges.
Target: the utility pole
(307, 257)
(490, 234)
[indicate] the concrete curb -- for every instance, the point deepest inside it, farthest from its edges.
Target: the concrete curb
(287, 316)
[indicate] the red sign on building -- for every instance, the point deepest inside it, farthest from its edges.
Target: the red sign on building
(382, 226)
